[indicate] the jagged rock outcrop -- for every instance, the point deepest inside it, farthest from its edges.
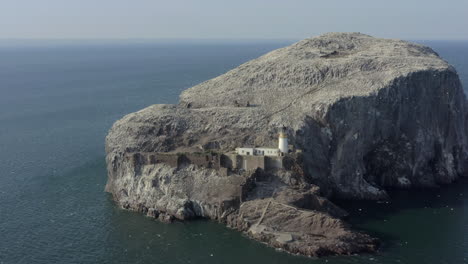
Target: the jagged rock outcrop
(368, 114)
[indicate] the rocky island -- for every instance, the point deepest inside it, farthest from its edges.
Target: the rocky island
(361, 114)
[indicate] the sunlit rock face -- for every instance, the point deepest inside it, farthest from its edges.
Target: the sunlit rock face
(367, 113)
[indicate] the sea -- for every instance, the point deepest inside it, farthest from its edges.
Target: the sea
(59, 98)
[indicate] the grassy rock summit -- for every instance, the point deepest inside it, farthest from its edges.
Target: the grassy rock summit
(367, 113)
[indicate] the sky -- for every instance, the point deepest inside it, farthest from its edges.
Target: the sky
(234, 19)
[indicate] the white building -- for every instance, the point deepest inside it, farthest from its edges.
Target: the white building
(258, 151)
(282, 147)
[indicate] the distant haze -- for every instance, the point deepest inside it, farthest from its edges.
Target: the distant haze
(235, 19)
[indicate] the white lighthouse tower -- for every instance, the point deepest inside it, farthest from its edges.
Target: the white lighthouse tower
(283, 141)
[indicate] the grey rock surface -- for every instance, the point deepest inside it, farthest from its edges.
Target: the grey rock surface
(368, 114)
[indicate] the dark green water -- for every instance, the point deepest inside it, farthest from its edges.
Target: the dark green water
(57, 102)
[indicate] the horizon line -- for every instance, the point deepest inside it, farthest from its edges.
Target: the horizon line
(188, 38)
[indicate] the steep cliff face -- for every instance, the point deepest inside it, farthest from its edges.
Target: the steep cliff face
(368, 114)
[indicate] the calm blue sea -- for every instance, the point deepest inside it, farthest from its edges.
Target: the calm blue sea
(57, 101)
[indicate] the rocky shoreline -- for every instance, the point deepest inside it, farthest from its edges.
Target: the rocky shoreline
(294, 217)
(368, 113)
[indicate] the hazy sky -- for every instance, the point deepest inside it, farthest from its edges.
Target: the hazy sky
(234, 19)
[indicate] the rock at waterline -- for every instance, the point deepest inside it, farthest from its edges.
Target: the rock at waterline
(368, 114)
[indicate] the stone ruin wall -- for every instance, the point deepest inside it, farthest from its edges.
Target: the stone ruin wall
(176, 160)
(223, 163)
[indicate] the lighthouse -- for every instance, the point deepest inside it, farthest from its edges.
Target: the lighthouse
(283, 140)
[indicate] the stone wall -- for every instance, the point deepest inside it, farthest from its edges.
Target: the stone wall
(253, 162)
(176, 160)
(273, 163)
(205, 160)
(169, 159)
(232, 161)
(221, 162)
(236, 162)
